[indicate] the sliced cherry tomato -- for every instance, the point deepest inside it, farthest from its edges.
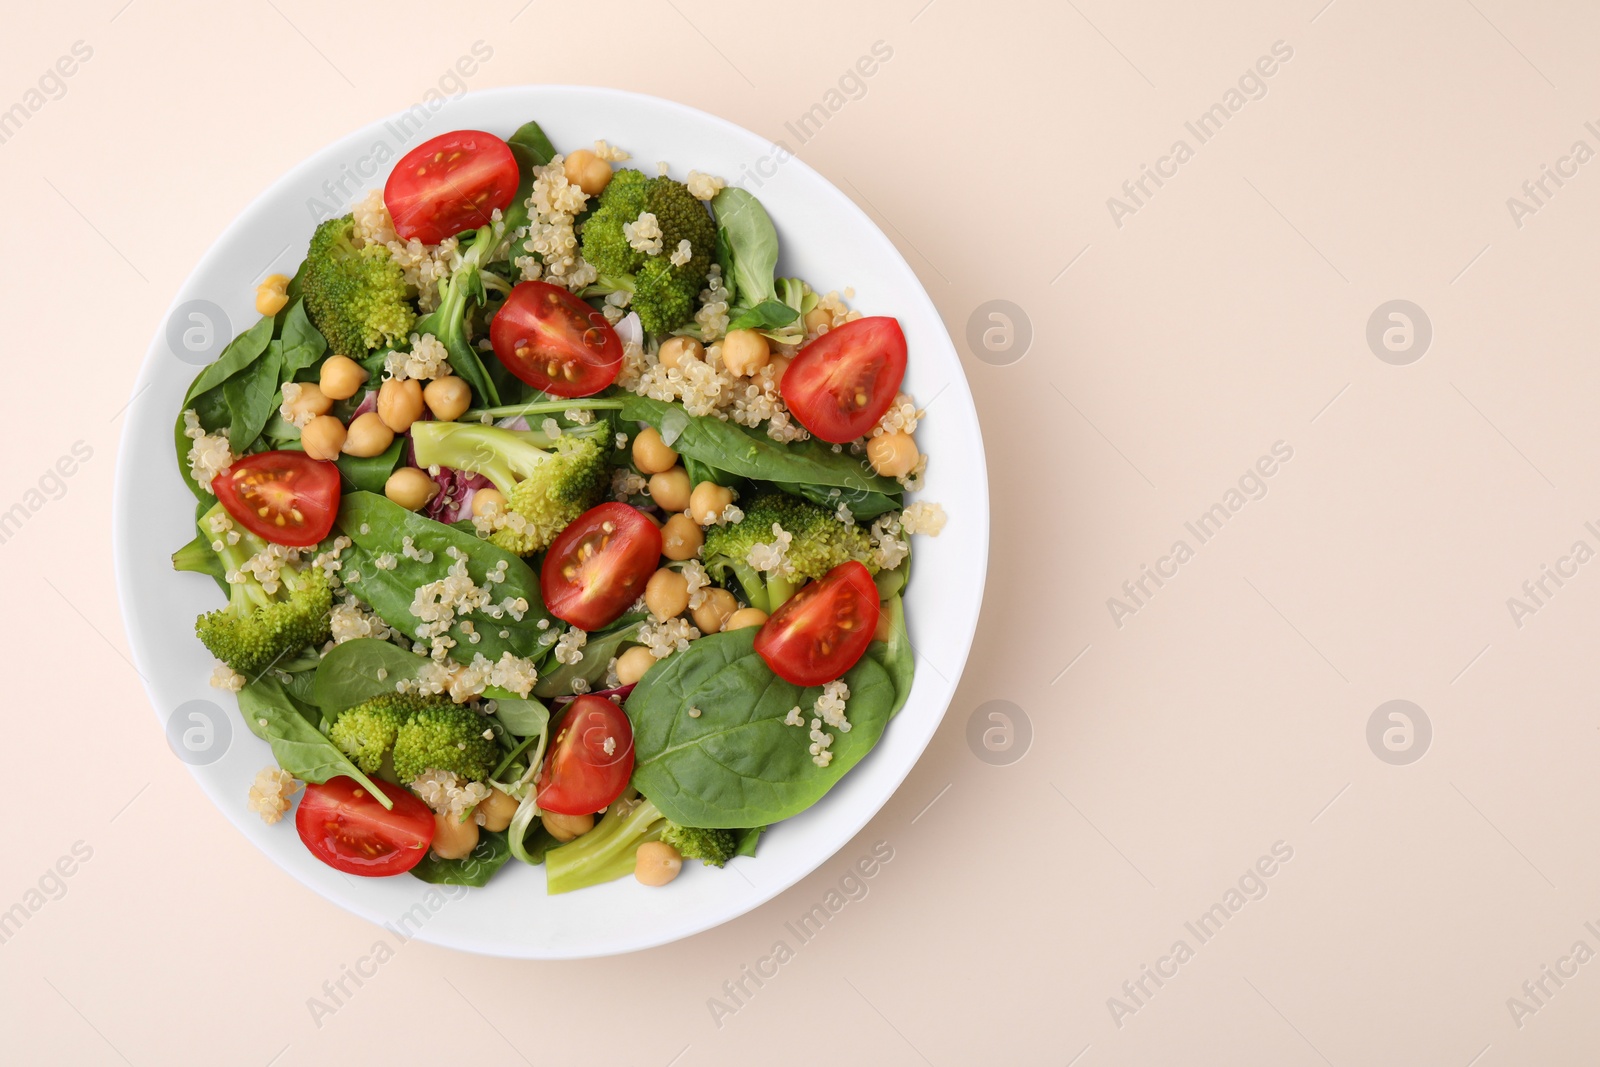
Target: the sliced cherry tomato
(555, 342)
(820, 632)
(841, 384)
(347, 828)
(599, 565)
(450, 184)
(590, 760)
(286, 497)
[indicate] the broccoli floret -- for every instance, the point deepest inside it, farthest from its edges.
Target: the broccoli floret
(366, 733)
(820, 542)
(262, 624)
(663, 294)
(444, 737)
(355, 296)
(606, 853)
(545, 487)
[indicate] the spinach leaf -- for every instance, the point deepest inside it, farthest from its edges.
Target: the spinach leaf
(299, 747)
(808, 468)
(725, 263)
(747, 840)
(520, 717)
(597, 653)
(896, 656)
(240, 353)
(348, 674)
(378, 526)
(252, 397)
(530, 145)
(767, 315)
(369, 474)
(475, 869)
(738, 764)
(303, 344)
(752, 243)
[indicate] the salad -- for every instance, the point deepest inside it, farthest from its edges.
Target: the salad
(553, 525)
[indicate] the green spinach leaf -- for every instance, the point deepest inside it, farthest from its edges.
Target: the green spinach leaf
(349, 674)
(597, 653)
(738, 764)
(520, 717)
(303, 344)
(896, 656)
(767, 315)
(369, 474)
(240, 353)
(299, 747)
(378, 526)
(252, 397)
(752, 243)
(475, 869)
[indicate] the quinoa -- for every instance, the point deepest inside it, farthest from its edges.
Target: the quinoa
(210, 455)
(889, 549)
(423, 266)
(348, 621)
(291, 396)
(569, 647)
(447, 794)
(665, 638)
(772, 558)
(610, 153)
(923, 518)
(552, 206)
(643, 234)
(704, 186)
(225, 677)
(428, 359)
(271, 792)
(682, 254)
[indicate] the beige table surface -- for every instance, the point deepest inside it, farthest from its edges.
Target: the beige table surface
(1183, 739)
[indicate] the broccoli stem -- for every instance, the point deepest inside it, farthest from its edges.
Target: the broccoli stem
(780, 589)
(605, 853)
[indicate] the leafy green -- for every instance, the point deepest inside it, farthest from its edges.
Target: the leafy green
(475, 869)
(746, 230)
(597, 653)
(767, 315)
(252, 397)
(519, 716)
(370, 473)
(348, 674)
(240, 353)
(378, 526)
(896, 656)
(297, 745)
(302, 344)
(738, 764)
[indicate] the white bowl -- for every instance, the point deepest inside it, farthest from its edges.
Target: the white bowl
(825, 239)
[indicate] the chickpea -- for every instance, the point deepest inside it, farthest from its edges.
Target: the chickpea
(411, 488)
(323, 437)
(676, 351)
(651, 454)
(452, 838)
(708, 501)
(272, 294)
(666, 594)
(367, 436)
(817, 318)
(632, 664)
(587, 171)
(341, 377)
(656, 863)
(892, 455)
(681, 538)
(780, 367)
(565, 828)
(670, 489)
(497, 809)
(743, 618)
(310, 401)
(714, 611)
(400, 403)
(744, 352)
(484, 499)
(448, 398)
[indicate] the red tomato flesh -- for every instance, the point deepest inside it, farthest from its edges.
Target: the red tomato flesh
(555, 342)
(819, 633)
(450, 184)
(841, 384)
(590, 760)
(286, 497)
(347, 828)
(599, 565)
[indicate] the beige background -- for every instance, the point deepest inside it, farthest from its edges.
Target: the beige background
(1229, 714)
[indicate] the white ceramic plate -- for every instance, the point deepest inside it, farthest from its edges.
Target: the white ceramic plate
(825, 239)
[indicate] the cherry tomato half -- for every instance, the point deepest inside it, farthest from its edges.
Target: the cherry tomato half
(286, 497)
(346, 827)
(599, 565)
(820, 632)
(555, 342)
(841, 384)
(449, 184)
(590, 760)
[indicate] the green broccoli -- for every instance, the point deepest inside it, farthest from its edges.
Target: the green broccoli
(263, 623)
(663, 294)
(820, 543)
(355, 296)
(441, 736)
(606, 853)
(366, 733)
(545, 488)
